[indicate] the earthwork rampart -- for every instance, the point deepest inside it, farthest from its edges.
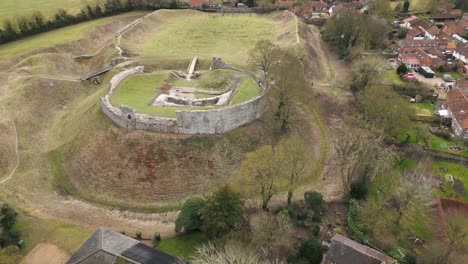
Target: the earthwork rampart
(210, 121)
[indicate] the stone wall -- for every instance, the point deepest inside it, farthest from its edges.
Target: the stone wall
(211, 121)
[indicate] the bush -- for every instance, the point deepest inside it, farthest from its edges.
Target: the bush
(311, 251)
(402, 69)
(410, 258)
(358, 190)
(156, 238)
(297, 212)
(224, 211)
(139, 234)
(316, 230)
(189, 217)
(314, 200)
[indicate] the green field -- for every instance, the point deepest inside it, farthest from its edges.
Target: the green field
(179, 35)
(57, 37)
(137, 91)
(9, 9)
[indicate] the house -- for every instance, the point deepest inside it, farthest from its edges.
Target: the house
(196, 3)
(108, 247)
(407, 21)
(444, 17)
(319, 5)
(445, 7)
(461, 53)
(410, 60)
(456, 105)
(287, 4)
(459, 27)
(342, 250)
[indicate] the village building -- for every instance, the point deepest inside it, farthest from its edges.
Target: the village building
(461, 53)
(108, 247)
(319, 6)
(445, 7)
(342, 250)
(456, 105)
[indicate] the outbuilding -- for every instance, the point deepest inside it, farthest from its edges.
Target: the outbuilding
(426, 72)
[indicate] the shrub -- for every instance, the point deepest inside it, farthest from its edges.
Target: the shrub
(337, 230)
(316, 230)
(311, 251)
(317, 216)
(402, 69)
(156, 238)
(223, 212)
(297, 212)
(189, 217)
(138, 234)
(314, 200)
(359, 190)
(410, 258)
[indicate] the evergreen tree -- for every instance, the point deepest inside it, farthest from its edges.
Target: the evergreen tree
(224, 211)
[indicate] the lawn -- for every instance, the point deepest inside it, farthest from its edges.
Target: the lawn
(55, 37)
(138, 90)
(458, 171)
(442, 144)
(453, 74)
(183, 246)
(218, 80)
(424, 108)
(393, 77)
(247, 90)
(10, 9)
(34, 231)
(179, 35)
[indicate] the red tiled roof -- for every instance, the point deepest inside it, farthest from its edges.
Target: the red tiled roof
(446, 6)
(196, 3)
(443, 16)
(318, 4)
(411, 18)
(463, 49)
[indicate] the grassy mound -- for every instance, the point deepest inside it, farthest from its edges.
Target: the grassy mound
(137, 91)
(179, 35)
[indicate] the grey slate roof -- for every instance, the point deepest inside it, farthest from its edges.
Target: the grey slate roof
(343, 250)
(108, 247)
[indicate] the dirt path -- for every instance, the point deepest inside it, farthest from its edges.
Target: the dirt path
(328, 75)
(2, 181)
(45, 253)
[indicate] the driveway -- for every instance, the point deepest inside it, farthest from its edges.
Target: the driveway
(432, 82)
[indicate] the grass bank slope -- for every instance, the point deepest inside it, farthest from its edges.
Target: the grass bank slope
(181, 34)
(9, 9)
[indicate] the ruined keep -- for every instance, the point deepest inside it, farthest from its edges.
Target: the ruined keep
(209, 121)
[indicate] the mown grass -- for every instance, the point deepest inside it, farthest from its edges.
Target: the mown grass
(442, 144)
(183, 246)
(35, 230)
(458, 171)
(424, 108)
(248, 89)
(175, 35)
(56, 37)
(213, 80)
(10, 9)
(137, 91)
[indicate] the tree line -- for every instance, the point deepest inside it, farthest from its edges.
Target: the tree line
(24, 26)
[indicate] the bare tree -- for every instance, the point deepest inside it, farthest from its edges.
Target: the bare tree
(294, 153)
(414, 193)
(263, 55)
(271, 233)
(361, 155)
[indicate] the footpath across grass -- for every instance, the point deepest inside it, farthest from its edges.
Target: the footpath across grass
(183, 246)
